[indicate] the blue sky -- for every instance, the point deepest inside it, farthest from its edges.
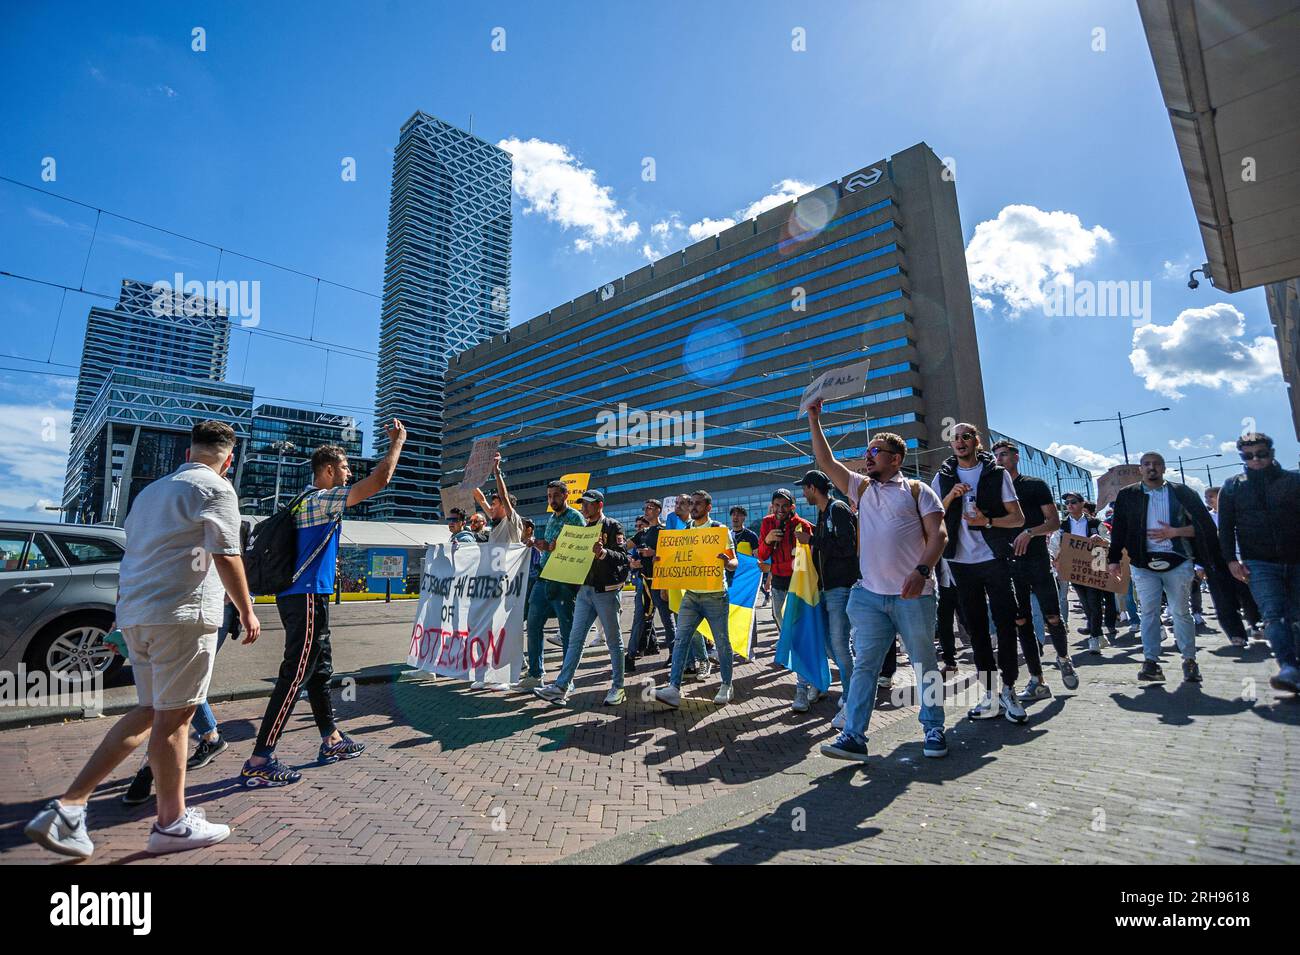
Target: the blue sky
(1064, 159)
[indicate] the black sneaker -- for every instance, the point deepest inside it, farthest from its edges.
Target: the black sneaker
(140, 789)
(1191, 672)
(629, 664)
(206, 753)
(1150, 671)
(345, 748)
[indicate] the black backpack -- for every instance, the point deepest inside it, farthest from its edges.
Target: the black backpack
(271, 552)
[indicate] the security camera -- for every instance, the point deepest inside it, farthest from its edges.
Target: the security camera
(1191, 279)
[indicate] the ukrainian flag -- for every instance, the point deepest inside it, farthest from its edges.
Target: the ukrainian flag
(742, 594)
(802, 647)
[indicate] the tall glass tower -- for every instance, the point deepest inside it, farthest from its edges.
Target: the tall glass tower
(446, 288)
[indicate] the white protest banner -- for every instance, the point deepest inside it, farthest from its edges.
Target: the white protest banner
(838, 383)
(470, 620)
(479, 465)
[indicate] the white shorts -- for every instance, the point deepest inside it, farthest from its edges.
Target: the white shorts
(172, 663)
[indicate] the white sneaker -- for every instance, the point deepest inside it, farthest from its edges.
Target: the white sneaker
(986, 709)
(724, 695)
(669, 695)
(190, 831)
(839, 721)
(1094, 645)
(702, 672)
(552, 694)
(1014, 711)
(526, 684)
(800, 704)
(595, 640)
(478, 685)
(61, 829)
(616, 697)
(814, 695)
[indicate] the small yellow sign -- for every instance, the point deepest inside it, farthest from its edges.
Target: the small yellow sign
(572, 557)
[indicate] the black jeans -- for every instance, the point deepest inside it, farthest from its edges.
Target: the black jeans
(648, 600)
(307, 659)
(980, 588)
(1031, 575)
(1228, 604)
(1109, 611)
(947, 636)
(1091, 598)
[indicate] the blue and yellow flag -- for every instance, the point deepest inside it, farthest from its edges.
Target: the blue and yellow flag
(802, 647)
(742, 594)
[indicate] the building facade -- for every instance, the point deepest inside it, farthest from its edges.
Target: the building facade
(687, 373)
(154, 331)
(281, 444)
(136, 429)
(446, 288)
(1284, 311)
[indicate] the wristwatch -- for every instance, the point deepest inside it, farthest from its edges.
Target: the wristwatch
(923, 570)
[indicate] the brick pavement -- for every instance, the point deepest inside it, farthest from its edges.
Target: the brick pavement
(453, 775)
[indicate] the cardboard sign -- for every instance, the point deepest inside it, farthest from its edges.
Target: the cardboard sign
(572, 557)
(1108, 485)
(479, 465)
(688, 560)
(458, 496)
(1080, 562)
(838, 383)
(670, 505)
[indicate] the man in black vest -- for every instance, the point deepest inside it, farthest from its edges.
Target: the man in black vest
(1166, 530)
(983, 516)
(1031, 571)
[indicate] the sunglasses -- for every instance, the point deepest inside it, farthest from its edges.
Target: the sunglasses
(966, 436)
(1264, 455)
(872, 452)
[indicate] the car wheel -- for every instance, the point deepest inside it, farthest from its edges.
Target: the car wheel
(73, 646)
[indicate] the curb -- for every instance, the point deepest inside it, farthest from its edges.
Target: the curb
(20, 717)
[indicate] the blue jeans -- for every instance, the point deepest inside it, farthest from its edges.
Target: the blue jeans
(713, 607)
(204, 722)
(590, 604)
(1276, 588)
(1177, 587)
(542, 608)
(838, 647)
(875, 619)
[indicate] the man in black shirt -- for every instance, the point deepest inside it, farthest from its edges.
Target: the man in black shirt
(648, 600)
(1031, 573)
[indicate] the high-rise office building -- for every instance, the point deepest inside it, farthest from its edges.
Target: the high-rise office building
(280, 447)
(151, 331)
(446, 288)
(714, 344)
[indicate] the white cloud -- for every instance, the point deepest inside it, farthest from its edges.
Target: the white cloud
(670, 232)
(35, 439)
(552, 181)
(1182, 444)
(1176, 270)
(1025, 248)
(1093, 461)
(707, 227)
(1228, 446)
(1206, 347)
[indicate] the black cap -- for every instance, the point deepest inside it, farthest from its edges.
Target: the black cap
(817, 479)
(592, 497)
(782, 492)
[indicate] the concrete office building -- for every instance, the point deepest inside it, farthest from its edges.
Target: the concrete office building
(136, 430)
(446, 288)
(282, 441)
(723, 336)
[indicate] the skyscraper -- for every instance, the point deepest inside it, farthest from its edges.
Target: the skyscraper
(446, 288)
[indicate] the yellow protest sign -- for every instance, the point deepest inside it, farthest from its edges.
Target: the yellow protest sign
(689, 559)
(577, 485)
(572, 557)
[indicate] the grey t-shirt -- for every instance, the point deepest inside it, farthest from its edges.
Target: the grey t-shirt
(510, 530)
(175, 526)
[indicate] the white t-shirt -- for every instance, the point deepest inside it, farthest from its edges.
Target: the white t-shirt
(176, 524)
(971, 546)
(1077, 527)
(510, 530)
(891, 540)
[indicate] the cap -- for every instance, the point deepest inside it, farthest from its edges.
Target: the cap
(592, 497)
(817, 479)
(782, 492)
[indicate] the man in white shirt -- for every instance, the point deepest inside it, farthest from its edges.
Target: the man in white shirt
(182, 547)
(983, 517)
(507, 525)
(900, 538)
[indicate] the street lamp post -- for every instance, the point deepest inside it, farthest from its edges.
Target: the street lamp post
(1123, 439)
(281, 448)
